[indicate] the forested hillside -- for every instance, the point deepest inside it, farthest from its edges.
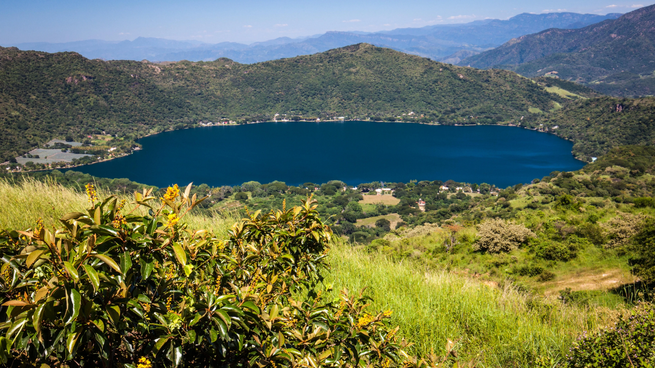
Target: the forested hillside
(45, 96)
(614, 57)
(598, 124)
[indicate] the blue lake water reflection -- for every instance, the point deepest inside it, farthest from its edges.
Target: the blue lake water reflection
(354, 152)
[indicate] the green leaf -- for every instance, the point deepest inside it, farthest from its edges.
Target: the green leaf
(72, 271)
(222, 327)
(33, 257)
(99, 324)
(159, 343)
(177, 355)
(97, 216)
(146, 269)
(188, 269)
(71, 340)
(4, 350)
(71, 216)
(36, 320)
(76, 301)
(114, 313)
(93, 277)
(16, 327)
(108, 261)
(250, 305)
(213, 335)
(179, 254)
(126, 262)
(225, 317)
(195, 320)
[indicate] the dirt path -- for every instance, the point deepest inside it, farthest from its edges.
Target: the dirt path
(590, 280)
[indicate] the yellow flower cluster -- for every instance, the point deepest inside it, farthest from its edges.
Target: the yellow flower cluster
(170, 273)
(144, 363)
(6, 274)
(118, 221)
(39, 226)
(364, 321)
(172, 221)
(169, 301)
(387, 313)
(172, 192)
(91, 193)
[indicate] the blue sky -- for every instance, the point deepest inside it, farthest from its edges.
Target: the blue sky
(249, 21)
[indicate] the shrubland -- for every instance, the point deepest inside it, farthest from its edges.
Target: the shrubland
(136, 283)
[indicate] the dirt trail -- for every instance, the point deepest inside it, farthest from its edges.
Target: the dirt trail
(590, 280)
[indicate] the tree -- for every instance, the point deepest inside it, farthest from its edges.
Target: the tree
(250, 186)
(644, 246)
(383, 224)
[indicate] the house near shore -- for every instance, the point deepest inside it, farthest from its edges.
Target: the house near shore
(381, 191)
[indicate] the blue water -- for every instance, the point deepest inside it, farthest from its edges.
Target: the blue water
(354, 152)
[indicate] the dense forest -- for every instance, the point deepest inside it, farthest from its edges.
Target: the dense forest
(45, 96)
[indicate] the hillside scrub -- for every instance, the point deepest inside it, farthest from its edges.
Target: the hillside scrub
(497, 235)
(112, 288)
(47, 96)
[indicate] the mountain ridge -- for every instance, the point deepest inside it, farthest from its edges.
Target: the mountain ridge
(595, 55)
(436, 42)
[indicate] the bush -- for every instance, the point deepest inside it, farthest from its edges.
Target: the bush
(630, 343)
(115, 289)
(556, 251)
(622, 228)
(644, 202)
(496, 235)
(529, 270)
(383, 224)
(593, 232)
(546, 276)
(644, 248)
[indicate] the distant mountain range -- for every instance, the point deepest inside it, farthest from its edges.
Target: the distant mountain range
(448, 43)
(615, 57)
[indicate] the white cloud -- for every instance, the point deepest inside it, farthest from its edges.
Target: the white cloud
(637, 6)
(553, 10)
(247, 26)
(351, 21)
(456, 17)
(612, 6)
(281, 25)
(124, 33)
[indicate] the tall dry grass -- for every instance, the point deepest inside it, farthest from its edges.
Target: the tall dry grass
(491, 327)
(23, 204)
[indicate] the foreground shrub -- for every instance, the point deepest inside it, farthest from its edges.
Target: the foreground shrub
(622, 228)
(496, 235)
(112, 288)
(630, 343)
(644, 248)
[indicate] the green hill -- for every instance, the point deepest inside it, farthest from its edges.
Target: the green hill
(596, 125)
(43, 96)
(614, 57)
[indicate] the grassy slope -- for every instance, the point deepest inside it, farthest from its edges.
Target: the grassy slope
(490, 326)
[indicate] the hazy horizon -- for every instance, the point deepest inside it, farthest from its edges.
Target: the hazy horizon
(254, 21)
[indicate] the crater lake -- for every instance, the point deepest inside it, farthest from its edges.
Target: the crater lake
(353, 152)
